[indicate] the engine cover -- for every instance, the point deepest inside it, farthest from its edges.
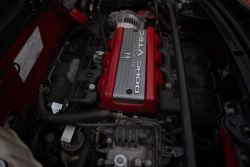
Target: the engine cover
(131, 76)
(131, 71)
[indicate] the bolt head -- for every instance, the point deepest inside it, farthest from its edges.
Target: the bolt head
(234, 122)
(148, 163)
(129, 91)
(120, 160)
(91, 87)
(138, 161)
(109, 140)
(169, 86)
(135, 116)
(99, 55)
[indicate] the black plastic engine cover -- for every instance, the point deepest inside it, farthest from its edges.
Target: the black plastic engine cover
(169, 99)
(204, 102)
(88, 73)
(62, 85)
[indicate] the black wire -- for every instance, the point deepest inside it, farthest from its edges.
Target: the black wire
(158, 27)
(167, 140)
(164, 33)
(4, 71)
(72, 108)
(100, 22)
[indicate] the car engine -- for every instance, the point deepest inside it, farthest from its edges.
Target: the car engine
(131, 84)
(120, 81)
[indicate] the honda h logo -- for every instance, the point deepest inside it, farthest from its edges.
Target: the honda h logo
(126, 55)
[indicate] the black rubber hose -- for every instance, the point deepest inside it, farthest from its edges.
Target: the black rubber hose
(157, 18)
(76, 30)
(84, 155)
(166, 25)
(36, 140)
(100, 22)
(95, 125)
(168, 140)
(68, 117)
(188, 139)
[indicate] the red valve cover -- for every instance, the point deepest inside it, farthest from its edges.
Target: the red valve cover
(153, 76)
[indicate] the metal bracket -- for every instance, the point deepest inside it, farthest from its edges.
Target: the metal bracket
(67, 134)
(173, 151)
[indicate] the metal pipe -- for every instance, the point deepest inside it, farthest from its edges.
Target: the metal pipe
(156, 125)
(156, 135)
(123, 138)
(72, 159)
(117, 130)
(188, 140)
(129, 137)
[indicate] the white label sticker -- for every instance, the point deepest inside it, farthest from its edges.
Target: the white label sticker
(28, 55)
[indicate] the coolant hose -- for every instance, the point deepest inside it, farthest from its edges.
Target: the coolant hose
(68, 117)
(84, 155)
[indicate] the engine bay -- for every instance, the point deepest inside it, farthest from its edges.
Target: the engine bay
(130, 84)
